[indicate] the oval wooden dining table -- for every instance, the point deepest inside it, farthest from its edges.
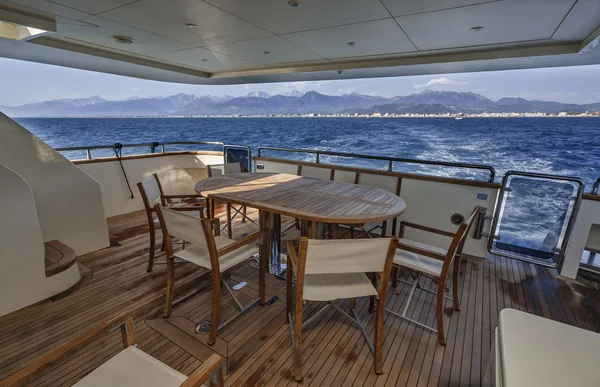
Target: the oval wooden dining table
(309, 199)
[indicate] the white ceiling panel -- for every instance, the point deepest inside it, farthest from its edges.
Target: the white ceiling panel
(408, 7)
(578, 25)
(44, 8)
(279, 51)
(169, 18)
(205, 59)
(146, 43)
(371, 38)
(279, 18)
(502, 22)
(93, 6)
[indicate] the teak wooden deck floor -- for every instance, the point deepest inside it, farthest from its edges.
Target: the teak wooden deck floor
(334, 352)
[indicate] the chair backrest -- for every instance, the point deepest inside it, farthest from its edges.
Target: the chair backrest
(459, 239)
(151, 191)
(346, 255)
(224, 169)
(183, 226)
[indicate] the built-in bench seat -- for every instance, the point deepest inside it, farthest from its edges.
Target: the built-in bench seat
(59, 257)
(536, 351)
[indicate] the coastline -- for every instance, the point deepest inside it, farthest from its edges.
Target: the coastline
(356, 115)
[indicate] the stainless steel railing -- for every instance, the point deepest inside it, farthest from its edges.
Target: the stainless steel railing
(390, 160)
(153, 146)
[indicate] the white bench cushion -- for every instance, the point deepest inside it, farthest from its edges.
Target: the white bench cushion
(536, 351)
(132, 367)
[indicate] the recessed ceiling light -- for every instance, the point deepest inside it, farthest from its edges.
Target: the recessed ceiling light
(191, 25)
(294, 3)
(351, 44)
(204, 60)
(123, 39)
(266, 52)
(476, 28)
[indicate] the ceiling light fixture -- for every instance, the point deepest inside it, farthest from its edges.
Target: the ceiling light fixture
(266, 52)
(191, 25)
(123, 39)
(204, 60)
(351, 44)
(294, 3)
(476, 28)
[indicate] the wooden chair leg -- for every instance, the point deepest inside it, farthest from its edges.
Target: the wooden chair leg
(216, 310)
(262, 265)
(439, 310)
(212, 209)
(170, 286)
(372, 298)
(152, 247)
(229, 233)
(288, 301)
(351, 232)
(379, 337)
(384, 229)
(395, 276)
(455, 294)
(298, 342)
(244, 214)
(163, 245)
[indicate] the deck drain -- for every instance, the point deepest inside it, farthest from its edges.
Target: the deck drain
(203, 327)
(240, 285)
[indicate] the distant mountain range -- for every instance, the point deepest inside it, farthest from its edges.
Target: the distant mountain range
(294, 102)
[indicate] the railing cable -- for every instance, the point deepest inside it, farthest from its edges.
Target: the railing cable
(117, 148)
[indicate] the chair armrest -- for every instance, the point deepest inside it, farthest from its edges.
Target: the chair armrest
(188, 196)
(211, 366)
(186, 208)
(416, 250)
(241, 243)
(426, 228)
(123, 320)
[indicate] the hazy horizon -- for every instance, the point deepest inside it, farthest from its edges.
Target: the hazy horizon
(30, 82)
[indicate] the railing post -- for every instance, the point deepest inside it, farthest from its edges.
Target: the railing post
(88, 153)
(390, 166)
(318, 157)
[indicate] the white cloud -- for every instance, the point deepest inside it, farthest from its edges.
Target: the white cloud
(439, 82)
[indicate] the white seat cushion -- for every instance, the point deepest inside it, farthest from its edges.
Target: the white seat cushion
(423, 246)
(418, 262)
(329, 287)
(200, 256)
(536, 351)
(132, 367)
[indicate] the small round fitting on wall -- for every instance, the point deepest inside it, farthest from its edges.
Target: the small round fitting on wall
(457, 219)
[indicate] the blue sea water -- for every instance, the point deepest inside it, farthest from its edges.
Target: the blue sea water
(563, 146)
(560, 146)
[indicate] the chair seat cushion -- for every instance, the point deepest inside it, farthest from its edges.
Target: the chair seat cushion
(329, 287)
(132, 367)
(200, 255)
(423, 246)
(418, 262)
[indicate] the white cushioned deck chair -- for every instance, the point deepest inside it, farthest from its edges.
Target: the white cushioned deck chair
(129, 368)
(216, 253)
(227, 169)
(152, 192)
(423, 259)
(328, 270)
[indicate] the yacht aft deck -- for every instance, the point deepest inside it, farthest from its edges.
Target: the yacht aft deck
(334, 351)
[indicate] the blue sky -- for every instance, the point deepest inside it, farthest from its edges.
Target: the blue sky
(26, 82)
